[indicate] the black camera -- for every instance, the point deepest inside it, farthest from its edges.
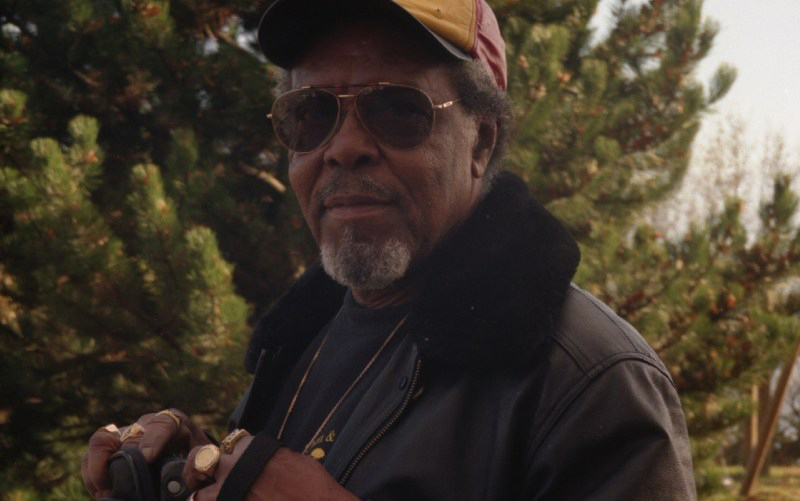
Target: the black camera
(132, 479)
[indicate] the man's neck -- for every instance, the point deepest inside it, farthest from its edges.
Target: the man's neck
(401, 292)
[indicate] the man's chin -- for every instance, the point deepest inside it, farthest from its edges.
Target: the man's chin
(366, 265)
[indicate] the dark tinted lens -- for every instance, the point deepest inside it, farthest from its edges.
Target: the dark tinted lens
(401, 117)
(304, 118)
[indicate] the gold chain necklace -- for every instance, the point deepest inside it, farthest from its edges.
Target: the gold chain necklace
(346, 392)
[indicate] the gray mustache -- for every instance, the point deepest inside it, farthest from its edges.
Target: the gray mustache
(359, 186)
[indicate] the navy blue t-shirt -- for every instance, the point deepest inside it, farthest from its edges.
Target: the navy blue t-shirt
(353, 337)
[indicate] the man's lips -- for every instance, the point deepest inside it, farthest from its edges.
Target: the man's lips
(355, 206)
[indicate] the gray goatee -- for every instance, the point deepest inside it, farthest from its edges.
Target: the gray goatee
(363, 264)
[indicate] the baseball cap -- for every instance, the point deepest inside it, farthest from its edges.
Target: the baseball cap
(460, 29)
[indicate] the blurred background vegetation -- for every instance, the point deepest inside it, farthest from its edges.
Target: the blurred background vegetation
(146, 220)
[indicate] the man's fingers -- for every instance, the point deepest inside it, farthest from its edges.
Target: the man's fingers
(94, 491)
(216, 462)
(131, 435)
(236, 442)
(94, 466)
(196, 479)
(152, 434)
(87, 480)
(167, 429)
(159, 431)
(209, 483)
(209, 493)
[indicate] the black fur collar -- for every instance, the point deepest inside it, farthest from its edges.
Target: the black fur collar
(492, 295)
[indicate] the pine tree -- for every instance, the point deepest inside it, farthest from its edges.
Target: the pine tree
(145, 221)
(604, 132)
(143, 218)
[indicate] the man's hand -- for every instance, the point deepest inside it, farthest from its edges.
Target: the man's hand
(165, 431)
(288, 476)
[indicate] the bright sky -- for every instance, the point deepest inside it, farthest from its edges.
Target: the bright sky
(761, 39)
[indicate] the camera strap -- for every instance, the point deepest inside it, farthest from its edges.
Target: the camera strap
(249, 467)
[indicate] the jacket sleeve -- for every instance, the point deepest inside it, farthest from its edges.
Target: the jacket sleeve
(622, 437)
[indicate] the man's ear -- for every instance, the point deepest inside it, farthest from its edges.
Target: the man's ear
(485, 143)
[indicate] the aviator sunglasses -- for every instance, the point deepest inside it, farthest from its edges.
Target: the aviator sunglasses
(397, 115)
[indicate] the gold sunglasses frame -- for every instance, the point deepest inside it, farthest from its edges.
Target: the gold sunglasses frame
(339, 114)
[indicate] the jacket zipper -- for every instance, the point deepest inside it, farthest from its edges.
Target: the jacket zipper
(412, 386)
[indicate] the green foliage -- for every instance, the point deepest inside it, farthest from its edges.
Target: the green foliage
(142, 202)
(604, 133)
(102, 327)
(143, 220)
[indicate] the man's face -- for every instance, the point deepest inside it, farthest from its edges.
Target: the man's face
(378, 211)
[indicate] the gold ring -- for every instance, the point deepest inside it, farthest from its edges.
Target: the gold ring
(191, 497)
(168, 412)
(229, 442)
(206, 459)
(112, 428)
(133, 431)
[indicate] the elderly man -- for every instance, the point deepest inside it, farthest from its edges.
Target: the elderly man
(439, 350)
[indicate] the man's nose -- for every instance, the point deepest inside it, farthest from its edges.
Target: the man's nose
(351, 146)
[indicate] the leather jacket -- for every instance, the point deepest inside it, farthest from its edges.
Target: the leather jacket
(511, 383)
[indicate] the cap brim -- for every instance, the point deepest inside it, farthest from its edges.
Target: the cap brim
(289, 27)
